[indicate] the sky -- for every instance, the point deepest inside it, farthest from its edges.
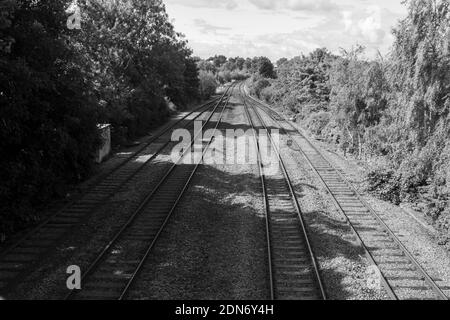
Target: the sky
(284, 28)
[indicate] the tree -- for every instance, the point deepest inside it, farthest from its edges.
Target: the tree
(56, 84)
(218, 60)
(208, 84)
(191, 78)
(224, 76)
(248, 64)
(240, 63)
(48, 117)
(281, 61)
(207, 66)
(265, 68)
(231, 69)
(421, 67)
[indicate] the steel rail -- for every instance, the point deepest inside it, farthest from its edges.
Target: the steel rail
(143, 203)
(297, 207)
(27, 265)
(266, 202)
(368, 255)
(104, 177)
(435, 288)
(172, 209)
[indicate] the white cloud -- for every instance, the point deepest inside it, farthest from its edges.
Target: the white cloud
(206, 27)
(277, 28)
(347, 19)
(227, 4)
(264, 4)
(366, 26)
(371, 27)
(297, 5)
(312, 6)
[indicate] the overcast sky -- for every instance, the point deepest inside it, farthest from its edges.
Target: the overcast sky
(284, 28)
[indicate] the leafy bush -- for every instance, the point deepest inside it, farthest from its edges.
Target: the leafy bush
(239, 69)
(385, 183)
(224, 76)
(317, 122)
(48, 119)
(238, 75)
(267, 94)
(266, 68)
(208, 84)
(258, 85)
(302, 84)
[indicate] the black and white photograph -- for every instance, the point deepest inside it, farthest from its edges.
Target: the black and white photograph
(220, 157)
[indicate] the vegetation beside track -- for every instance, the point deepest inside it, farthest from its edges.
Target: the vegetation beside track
(122, 66)
(391, 112)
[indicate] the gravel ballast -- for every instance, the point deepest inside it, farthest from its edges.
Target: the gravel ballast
(214, 246)
(412, 229)
(80, 247)
(343, 266)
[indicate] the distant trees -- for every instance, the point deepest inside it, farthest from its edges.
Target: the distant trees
(224, 76)
(225, 69)
(208, 84)
(56, 84)
(240, 63)
(207, 66)
(218, 61)
(259, 85)
(281, 61)
(302, 84)
(266, 68)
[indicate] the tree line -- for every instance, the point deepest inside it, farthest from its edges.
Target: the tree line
(122, 66)
(391, 111)
(220, 70)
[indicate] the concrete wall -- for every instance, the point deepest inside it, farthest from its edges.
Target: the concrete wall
(105, 147)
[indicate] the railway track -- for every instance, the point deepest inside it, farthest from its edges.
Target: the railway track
(17, 260)
(117, 266)
(293, 270)
(399, 272)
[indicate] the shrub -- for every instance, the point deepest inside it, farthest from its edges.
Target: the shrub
(267, 94)
(208, 84)
(224, 76)
(238, 76)
(317, 122)
(385, 183)
(147, 111)
(258, 86)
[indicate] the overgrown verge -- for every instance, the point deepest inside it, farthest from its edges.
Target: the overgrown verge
(392, 112)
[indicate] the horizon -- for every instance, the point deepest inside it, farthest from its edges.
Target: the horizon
(286, 28)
